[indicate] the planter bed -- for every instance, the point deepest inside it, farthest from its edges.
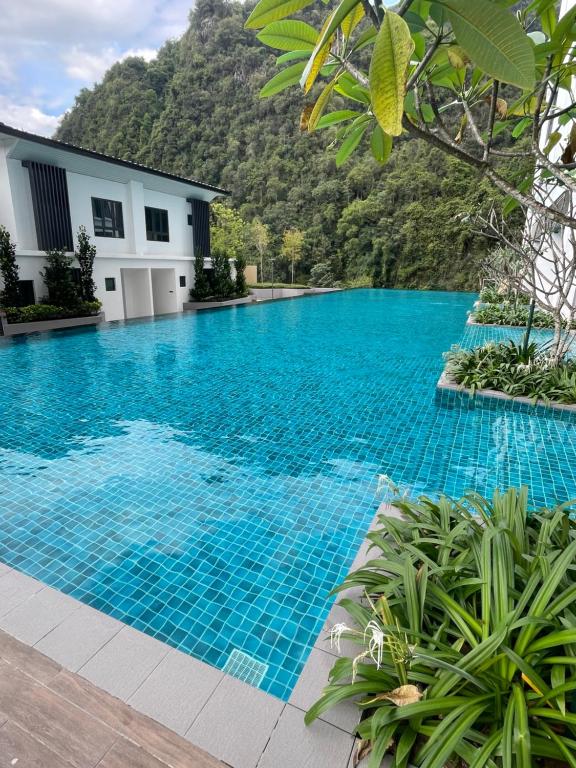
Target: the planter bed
(195, 306)
(37, 326)
(447, 384)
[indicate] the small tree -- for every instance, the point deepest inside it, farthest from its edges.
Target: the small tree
(292, 242)
(222, 282)
(10, 295)
(201, 289)
(260, 235)
(240, 266)
(378, 271)
(85, 255)
(321, 276)
(58, 279)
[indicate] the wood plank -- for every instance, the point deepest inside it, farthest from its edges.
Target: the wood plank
(23, 657)
(124, 754)
(19, 748)
(49, 718)
(153, 737)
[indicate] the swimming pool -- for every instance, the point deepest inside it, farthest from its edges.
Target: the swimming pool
(209, 478)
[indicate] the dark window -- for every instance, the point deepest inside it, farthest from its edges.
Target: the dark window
(26, 291)
(190, 219)
(182, 281)
(157, 225)
(76, 275)
(110, 283)
(108, 219)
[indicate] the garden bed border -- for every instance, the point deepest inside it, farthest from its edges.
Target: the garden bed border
(39, 326)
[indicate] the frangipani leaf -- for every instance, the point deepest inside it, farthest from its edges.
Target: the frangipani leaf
(336, 117)
(351, 21)
(289, 35)
(388, 70)
(320, 106)
(349, 144)
(380, 144)
(494, 40)
(284, 79)
(273, 10)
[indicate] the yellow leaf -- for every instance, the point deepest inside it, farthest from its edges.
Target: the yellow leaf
(388, 70)
(352, 20)
(318, 109)
(317, 59)
(458, 56)
(305, 117)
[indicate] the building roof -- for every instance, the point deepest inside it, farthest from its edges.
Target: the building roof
(72, 148)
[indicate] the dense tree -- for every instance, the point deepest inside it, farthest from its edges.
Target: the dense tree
(195, 110)
(85, 255)
(10, 293)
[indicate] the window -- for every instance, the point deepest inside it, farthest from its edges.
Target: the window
(76, 276)
(157, 225)
(108, 219)
(182, 281)
(110, 283)
(189, 219)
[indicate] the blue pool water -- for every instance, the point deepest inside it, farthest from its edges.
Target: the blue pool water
(209, 478)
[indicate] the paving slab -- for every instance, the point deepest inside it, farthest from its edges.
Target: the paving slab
(37, 615)
(15, 588)
(122, 665)
(309, 688)
(295, 745)
(176, 691)
(79, 637)
(236, 723)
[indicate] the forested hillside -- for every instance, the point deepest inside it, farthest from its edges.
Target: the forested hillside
(195, 111)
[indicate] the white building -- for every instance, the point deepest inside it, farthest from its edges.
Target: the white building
(144, 223)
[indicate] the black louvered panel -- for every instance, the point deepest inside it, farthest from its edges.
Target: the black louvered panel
(51, 206)
(201, 226)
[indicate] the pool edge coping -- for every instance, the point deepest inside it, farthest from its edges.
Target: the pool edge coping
(335, 728)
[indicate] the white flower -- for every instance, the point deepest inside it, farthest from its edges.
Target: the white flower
(336, 635)
(376, 643)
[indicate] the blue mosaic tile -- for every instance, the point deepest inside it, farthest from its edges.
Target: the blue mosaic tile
(209, 478)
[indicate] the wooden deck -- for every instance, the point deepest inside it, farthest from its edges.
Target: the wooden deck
(52, 718)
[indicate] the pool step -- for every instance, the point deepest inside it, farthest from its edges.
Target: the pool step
(245, 667)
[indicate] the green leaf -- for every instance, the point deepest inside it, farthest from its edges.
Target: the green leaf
(336, 117)
(273, 10)
(289, 35)
(388, 69)
(380, 144)
(349, 144)
(521, 736)
(284, 79)
(292, 56)
(494, 40)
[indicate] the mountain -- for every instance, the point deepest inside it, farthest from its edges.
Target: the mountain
(195, 111)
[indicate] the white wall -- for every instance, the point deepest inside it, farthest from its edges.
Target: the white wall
(180, 232)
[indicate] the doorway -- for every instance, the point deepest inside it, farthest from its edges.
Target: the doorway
(164, 296)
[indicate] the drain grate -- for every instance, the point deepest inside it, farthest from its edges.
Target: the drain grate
(245, 667)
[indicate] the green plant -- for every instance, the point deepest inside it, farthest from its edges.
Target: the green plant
(321, 276)
(9, 272)
(222, 283)
(240, 282)
(201, 289)
(37, 312)
(467, 636)
(58, 279)
(511, 314)
(509, 368)
(85, 255)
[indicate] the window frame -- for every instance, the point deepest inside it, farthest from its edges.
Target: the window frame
(116, 229)
(155, 233)
(107, 282)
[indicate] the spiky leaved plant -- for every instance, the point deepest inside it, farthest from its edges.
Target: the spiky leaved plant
(470, 617)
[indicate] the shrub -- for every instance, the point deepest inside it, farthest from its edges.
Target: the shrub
(37, 312)
(507, 368)
(222, 283)
(321, 276)
(240, 266)
(85, 255)
(58, 279)
(467, 636)
(8, 270)
(511, 314)
(201, 287)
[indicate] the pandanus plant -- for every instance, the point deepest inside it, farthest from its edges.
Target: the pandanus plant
(467, 636)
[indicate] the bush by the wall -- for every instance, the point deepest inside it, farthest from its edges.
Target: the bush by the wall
(37, 312)
(58, 279)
